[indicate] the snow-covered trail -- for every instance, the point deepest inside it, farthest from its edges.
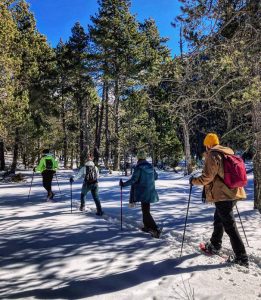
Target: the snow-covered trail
(48, 253)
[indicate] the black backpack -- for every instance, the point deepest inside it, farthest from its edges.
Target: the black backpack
(91, 174)
(48, 164)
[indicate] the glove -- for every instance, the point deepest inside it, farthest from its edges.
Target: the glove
(71, 180)
(191, 179)
(121, 183)
(34, 169)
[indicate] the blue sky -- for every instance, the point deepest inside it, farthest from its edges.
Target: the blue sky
(55, 18)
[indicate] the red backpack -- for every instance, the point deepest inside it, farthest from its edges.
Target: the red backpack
(234, 171)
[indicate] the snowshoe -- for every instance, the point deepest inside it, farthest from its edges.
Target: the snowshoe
(99, 213)
(156, 233)
(145, 229)
(209, 248)
(82, 207)
(206, 249)
(241, 260)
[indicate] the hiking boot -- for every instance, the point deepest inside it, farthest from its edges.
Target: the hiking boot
(211, 249)
(239, 260)
(156, 233)
(82, 207)
(146, 229)
(49, 199)
(99, 213)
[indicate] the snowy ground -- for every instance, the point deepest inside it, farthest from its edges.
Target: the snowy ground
(47, 252)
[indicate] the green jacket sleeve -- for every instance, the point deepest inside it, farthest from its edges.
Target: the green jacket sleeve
(55, 164)
(41, 165)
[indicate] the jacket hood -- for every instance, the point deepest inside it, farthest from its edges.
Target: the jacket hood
(47, 154)
(146, 166)
(90, 163)
(225, 150)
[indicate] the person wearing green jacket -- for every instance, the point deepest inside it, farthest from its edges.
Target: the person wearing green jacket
(47, 167)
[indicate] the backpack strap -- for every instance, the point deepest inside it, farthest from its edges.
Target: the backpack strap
(221, 155)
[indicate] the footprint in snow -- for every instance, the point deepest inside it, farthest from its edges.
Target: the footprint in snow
(229, 273)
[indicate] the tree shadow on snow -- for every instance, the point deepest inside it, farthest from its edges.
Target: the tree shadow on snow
(148, 271)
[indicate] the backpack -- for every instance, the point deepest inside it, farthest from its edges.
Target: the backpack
(91, 174)
(234, 171)
(48, 164)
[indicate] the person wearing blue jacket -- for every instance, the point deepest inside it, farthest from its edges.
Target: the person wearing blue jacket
(143, 190)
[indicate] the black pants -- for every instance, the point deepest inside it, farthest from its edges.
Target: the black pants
(147, 218)
(224, 220)
(47, 180)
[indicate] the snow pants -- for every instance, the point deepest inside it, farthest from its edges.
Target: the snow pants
(94, 188)
(148, 221)
(224, 220)
(47, 180)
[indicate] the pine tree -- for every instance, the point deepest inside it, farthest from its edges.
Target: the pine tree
(82, 86)
(155, 53)
(32, 52)
(117, 40)
(63, 93)
(9, 65)
(25, 52)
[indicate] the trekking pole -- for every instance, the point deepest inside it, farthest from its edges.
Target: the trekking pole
(71, 196)
(30, 187)
(186, 220)
(58, 185)
(121, 207)
(242, 226)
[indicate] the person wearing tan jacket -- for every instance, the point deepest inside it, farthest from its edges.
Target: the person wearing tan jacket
(224, 198)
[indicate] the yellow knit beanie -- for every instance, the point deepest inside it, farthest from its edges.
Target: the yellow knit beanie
(211, 140)
(141, 154)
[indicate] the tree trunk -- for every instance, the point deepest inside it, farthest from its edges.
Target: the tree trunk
(15, 153)
(185, 129)
(81, 136)
(256, 120)
(99, 121)
(116, 152)
(131, 163)
(2, 155)
(96, 151)
(229, 120)
(107, 131)
(25, 159)
(77, 161)
(65, 140)
(39, 148)
(86, 129)
(71, 166)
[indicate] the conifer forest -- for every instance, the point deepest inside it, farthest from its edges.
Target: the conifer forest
(114, 88)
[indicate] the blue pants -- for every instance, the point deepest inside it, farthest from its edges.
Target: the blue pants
(93, 187)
